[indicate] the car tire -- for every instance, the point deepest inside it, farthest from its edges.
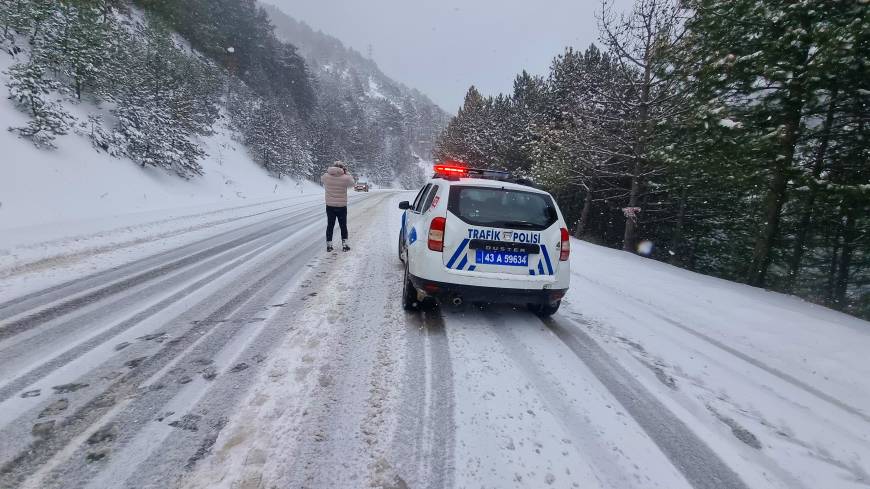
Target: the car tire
(409, 293)
(545, 310)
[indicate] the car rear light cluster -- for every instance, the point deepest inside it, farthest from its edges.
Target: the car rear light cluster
(436, 234)
(566, 246)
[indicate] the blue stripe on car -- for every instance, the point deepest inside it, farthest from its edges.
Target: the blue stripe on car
(531, 272)
(463, 262)
(541, 267)
(547, 258)
(457, 253)
(471, 268)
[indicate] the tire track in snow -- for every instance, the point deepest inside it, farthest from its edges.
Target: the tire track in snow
(77, 350)
(66, 307)
(281, 436)
(59, 361)
(70, 328)
(767, 368)
(40, 298)
(167, 450)
(134, 397)
(742, 356)
(581, 430)
(425, 436)
(33, 301)
(698, 463)
(344, 438)
(137, 404)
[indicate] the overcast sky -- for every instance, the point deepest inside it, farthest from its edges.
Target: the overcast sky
(442, 47)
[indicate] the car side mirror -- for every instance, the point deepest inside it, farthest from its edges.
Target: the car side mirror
(404, 205)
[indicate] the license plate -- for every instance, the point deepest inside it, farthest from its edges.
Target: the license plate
(502, 258)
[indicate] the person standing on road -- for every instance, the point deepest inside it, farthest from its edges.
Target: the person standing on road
(335, 182)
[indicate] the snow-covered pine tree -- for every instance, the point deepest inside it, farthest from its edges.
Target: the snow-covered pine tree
(156, 108)
(31, 91)
(514, 118)
(462, 138)
(76, 44)
(15, 15)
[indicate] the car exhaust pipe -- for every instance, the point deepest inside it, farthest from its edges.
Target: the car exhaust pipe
(457, 301)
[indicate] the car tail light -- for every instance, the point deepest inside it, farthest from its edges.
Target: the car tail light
(566, 246)
(436, 234)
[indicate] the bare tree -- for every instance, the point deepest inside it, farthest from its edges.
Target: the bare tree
(641, 95)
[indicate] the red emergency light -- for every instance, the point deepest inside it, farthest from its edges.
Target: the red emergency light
(451, 169)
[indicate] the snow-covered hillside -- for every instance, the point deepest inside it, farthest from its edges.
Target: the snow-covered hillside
(77, 182)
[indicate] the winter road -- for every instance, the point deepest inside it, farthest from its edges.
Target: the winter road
(249, 358)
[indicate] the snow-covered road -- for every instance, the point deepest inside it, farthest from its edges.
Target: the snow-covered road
(224, 349)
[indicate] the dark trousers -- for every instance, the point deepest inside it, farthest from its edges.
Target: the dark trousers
(331, 214)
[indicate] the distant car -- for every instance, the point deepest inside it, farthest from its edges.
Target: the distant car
(361, 187)
(481, 236)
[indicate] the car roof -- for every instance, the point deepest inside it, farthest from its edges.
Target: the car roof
(485, 182)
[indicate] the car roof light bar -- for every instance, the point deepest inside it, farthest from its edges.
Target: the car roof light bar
(454, 170)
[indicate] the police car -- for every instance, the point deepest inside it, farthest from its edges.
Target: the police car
(475, 235)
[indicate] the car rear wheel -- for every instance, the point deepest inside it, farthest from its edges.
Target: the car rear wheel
(409, 293)
(545, 310)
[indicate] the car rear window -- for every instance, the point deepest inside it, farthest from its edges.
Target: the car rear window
(499, 207)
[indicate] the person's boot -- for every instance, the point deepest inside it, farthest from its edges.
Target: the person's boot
(344, 245)
(329, 246)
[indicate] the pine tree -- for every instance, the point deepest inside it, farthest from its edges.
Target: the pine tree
(76, 43)
(756, 58)
(30, 90)
(465, 138)
(15, 15)
(156, 106)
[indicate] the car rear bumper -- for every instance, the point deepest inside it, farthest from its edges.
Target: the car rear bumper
(475, 293)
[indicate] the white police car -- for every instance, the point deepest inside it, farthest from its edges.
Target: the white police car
(473, 236)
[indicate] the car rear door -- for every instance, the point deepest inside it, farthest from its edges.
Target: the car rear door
(501, 230)
(416, 220)
(410, 218)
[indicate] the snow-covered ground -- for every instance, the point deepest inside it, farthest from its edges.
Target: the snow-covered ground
(778, 386)
(651, 376)
(221, 348)
(75, 182)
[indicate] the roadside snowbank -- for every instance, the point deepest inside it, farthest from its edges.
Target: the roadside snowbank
(75, 182)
